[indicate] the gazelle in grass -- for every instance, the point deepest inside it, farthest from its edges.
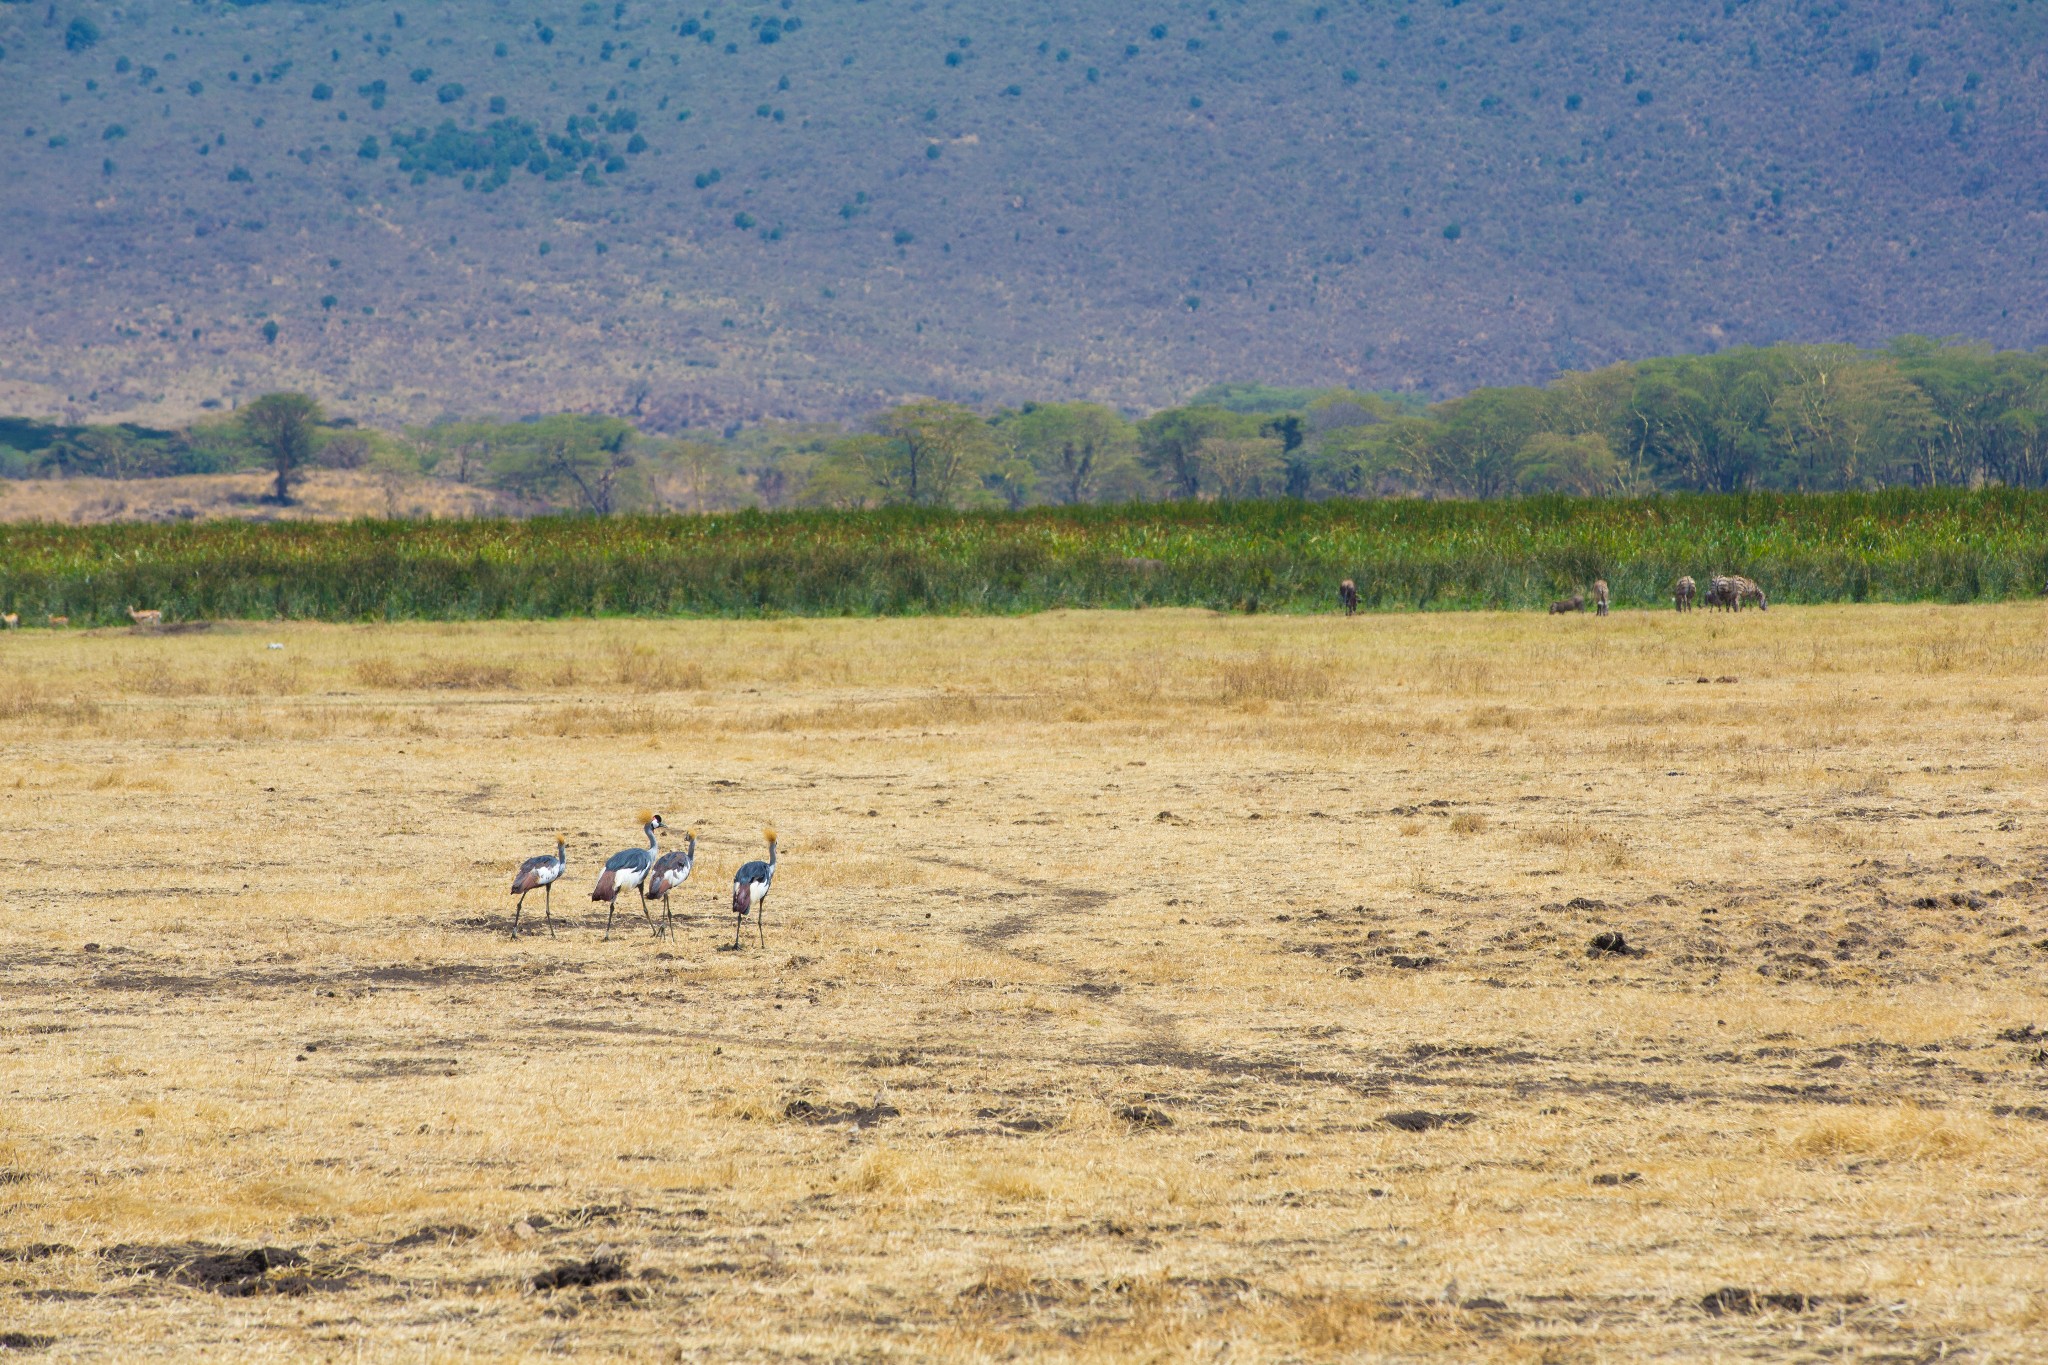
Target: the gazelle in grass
(11, 620)
(146, 620)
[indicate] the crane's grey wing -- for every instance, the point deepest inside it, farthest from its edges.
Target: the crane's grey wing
(756, 871)
(626, 858)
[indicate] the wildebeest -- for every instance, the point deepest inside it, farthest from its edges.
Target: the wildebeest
(1599, 597)
(1347, 593)
(1576, 602)
(1684, 592)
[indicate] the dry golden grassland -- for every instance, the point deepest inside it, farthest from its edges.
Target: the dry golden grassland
(323, 495)
(1102, 947)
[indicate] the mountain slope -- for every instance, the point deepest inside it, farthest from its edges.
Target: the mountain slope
(803, 209)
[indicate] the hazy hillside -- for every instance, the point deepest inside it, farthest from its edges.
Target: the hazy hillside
(807, 207)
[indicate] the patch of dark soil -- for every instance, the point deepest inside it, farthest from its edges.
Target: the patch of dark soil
(1611, 944)
(2020, 1111)
(438, 1234)
(11, 1176)
(600, 1269)
(439, 974)
(1751, 1301)
(859, 1115)
(1407, 963)
(236, 1274)
(1584, 903)
(1611, 1180)
(2025, 1033)
(391, 1068)
(35, 1251)
(1096, 990)
(1144, 1117)
(26, 1341)
(1018, 1123)
(1423, 1120)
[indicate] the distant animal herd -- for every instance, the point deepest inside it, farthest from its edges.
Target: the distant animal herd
(1728, 592)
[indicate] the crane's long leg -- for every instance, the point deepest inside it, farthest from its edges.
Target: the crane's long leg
(611, 908)
(737, 920)
(645, 913)
(515, 914)
(761, 922)
(547, 906)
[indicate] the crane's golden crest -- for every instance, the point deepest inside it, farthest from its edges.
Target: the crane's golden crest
(646, 817)
(769, 835)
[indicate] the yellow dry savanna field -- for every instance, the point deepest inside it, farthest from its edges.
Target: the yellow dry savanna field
(1150, 985)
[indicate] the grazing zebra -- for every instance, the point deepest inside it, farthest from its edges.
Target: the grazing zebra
(1747, 591)
(1347, 593)
(1683, 594)
(1599, 597)
(1720, 593)
(1576, 602)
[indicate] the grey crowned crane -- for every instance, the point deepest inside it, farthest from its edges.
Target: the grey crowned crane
(627, 870)
(750, 888)
(671, 870)
(539, 874)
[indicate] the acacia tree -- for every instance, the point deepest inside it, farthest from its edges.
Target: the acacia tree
(570, 457)
(284, 428)
(1076, 448)
(936, 453)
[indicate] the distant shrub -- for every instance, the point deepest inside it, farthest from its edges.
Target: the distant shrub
(115, 132)
(1350, 75)
(499, 51)
(240, 175)
(449, 93)
(952, 59)
(1573, 101)
(80, 34)
(932, 152)
(369, 151)
(422, 74)
(904, 237)
(194, 88)
(1158, 32)
(1013, 91)
(323, 92)
(121, 65)
(270, 332)
(1452, 232)
(614, 165)
(546, 247)
(327, 301)
(1281, 35)
(1645, 96)
(743, 220)
(543, 32)
(497, 104)
(637, 145)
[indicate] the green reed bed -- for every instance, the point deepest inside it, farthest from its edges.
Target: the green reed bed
(1902, 545)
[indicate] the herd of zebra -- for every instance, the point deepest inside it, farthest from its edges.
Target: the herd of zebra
(1730, 592)
(652, 873)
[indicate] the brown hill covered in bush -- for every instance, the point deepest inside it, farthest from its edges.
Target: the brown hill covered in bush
(799, 209)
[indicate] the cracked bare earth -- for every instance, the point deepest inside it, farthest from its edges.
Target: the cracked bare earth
(1136, 986)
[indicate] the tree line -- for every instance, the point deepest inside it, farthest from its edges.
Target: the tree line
(1795, 418)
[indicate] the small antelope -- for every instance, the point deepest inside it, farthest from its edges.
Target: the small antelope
(146, 620)
(12, 620)
(59, 622)
(1347, 593)
(1576, 602)
(1599, 597)
(1683, 594)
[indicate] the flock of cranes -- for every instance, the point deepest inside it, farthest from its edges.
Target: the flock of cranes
(651, 873)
